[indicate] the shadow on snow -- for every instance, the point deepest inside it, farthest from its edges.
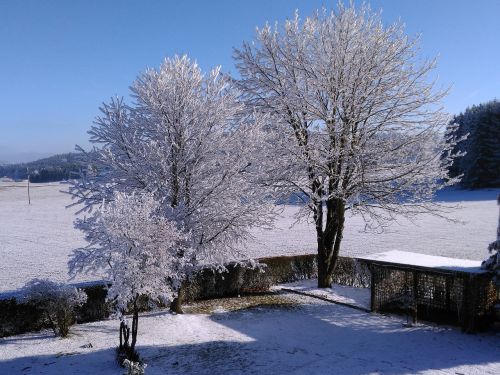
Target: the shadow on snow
(312, 339)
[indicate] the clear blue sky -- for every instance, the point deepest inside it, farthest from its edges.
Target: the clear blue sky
(60, 59)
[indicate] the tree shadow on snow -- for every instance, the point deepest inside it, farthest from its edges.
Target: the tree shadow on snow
(85, 361)
(310, 339)
(324, 339)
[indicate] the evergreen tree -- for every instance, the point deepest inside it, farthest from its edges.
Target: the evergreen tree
(480, 165)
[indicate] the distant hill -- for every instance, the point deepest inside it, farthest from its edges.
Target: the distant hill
(54, 168)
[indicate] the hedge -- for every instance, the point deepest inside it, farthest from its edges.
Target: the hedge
(17, 317)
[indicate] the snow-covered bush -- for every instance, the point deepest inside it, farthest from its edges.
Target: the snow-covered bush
(57, 301)
(134, 368)
(493, 262)
(142, 252)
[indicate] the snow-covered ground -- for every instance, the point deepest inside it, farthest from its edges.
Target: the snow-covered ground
(315, 337)
(36, 239)
(467, 239)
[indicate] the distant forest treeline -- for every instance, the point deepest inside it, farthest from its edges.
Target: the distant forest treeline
(55, 168)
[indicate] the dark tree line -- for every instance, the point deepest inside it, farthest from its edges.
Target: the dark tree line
(480, 165)
(55, 168)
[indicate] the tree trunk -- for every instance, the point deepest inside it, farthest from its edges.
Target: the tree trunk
(176, 305)
(124, 335)
(121, 336)
(329, 240)
(135, 325)
(324, 279)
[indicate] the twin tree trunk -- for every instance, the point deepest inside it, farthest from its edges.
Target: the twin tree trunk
(126, 347)
(329, 239)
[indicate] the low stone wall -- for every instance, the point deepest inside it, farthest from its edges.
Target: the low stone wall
(17, 317)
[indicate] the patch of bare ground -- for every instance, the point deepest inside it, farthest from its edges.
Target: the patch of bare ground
(267, 300)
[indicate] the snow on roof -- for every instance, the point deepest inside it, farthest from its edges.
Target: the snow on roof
(428, 261)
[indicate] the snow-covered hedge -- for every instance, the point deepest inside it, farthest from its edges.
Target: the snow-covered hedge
(57, 302)
(244, 278)
(17, 316)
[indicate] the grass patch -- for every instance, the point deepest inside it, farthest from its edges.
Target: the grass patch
(267, 300)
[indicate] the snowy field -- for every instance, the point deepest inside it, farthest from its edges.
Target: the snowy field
(313, 337)
(36, 239)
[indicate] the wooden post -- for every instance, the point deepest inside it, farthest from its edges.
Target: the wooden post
(472, 307)
(415, 295)
(448, 293)
(372, 288)
(29, 197)
(465, 305)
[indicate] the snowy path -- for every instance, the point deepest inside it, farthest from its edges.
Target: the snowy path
(314, 338)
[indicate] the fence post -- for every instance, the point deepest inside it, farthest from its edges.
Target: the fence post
(373, 285)
(415, 295)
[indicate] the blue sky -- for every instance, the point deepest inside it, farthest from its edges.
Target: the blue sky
(60, 59)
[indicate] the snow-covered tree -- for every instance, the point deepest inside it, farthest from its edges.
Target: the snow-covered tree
(480, 165)
(357, 121)
(187, 140)
(141, 252)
